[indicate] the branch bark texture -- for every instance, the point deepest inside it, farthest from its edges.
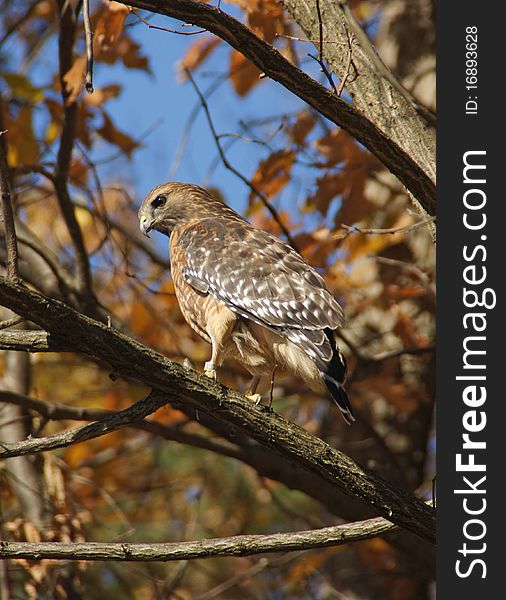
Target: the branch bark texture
(241, 545)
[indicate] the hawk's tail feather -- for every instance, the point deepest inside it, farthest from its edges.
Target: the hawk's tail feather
(334, 375)
(340, 397)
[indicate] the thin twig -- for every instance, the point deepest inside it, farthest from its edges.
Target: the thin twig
(227, 165)
(89, 46)
(389, 231)
(321, 59)
(159, 28)
(8, 213)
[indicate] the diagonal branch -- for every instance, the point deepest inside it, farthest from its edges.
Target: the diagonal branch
(239, 545)
(271, 62)
(130, 359)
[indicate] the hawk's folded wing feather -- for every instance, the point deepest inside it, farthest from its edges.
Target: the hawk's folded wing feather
(263, 279)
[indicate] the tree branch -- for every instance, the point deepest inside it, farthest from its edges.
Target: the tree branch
(33, 341)
(7, 212)
(64, 158)
(381, 143)
(130, 359)
(52, 411)
(240, 545)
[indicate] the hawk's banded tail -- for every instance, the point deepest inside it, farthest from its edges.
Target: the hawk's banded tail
(334, 374)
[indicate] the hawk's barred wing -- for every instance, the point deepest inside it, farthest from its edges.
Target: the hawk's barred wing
(263, 279)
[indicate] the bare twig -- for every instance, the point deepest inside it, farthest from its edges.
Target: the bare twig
(389, 231)
(240, 545)
(53, 411)
(89, 46)
(159, 28)
(227, 165)
(8, 213)
(320, 59)
(137, 411)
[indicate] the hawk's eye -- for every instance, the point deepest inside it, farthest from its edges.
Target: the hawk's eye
(159, 201)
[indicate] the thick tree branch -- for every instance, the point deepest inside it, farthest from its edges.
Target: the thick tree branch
(131, 359)
(240, 545)
(381, 143)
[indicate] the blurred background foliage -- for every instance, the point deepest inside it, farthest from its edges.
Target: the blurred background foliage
(145, 124)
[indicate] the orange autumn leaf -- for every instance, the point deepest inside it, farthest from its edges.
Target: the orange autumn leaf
(329, 186)
(407, 331)
(266, 18)
(23, 147)
(101, 95)
(198, 52)
(114, 136)
(243, 74)
(274, 173)
(110, 25)
(74, 78)
(303, 125)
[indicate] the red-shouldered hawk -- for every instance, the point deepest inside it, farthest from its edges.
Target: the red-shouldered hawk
(246, 292)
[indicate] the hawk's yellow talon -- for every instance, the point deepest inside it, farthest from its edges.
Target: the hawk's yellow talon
(256, 398)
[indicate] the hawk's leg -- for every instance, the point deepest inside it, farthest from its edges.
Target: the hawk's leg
(250, 392)
(220, 325)
(266, 383)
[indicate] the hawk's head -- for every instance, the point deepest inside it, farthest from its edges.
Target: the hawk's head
(172, 204)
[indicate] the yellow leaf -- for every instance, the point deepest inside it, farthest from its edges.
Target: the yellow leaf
(23, 147)
(22, 88)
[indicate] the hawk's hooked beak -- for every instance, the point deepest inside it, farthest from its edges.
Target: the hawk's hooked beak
(145, 225)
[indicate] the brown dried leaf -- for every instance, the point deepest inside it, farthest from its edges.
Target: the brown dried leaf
(329, 186)
(198, 52)
(274, 173)
(109, 26)
(338, 146)
(23, 147)
(303, 125)
(243, 74)
(101, 95)
(266, 18)
(116, 137)
(74, 78)
(407, 330)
